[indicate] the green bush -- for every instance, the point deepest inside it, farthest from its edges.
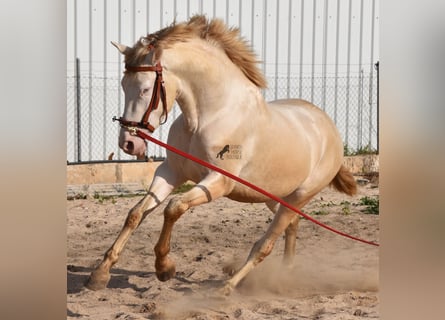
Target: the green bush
(372, 205)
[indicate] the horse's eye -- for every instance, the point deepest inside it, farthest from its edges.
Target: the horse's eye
(145, 91)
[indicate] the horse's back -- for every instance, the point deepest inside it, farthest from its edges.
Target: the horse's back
(305, 115)
(297, 105)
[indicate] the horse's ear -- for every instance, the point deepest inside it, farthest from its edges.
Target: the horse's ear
(121, 47)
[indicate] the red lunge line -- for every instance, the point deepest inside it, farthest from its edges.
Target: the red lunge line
(246, 183)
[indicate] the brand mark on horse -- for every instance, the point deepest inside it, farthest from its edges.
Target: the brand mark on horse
(232, 151)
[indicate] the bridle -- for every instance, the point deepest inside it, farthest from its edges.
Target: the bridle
(158, 93)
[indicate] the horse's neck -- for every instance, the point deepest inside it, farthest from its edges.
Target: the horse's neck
(210, 85)
(203, 104)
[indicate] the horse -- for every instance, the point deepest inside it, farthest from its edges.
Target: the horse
(290, 147)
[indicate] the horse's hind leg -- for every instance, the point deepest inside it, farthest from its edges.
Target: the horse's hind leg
(290, 239)
(262, 248)
(159, 190)
(290, 234)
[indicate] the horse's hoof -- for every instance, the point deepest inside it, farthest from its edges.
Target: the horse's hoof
(166, 274)
(226, 290)
(97, 281)
(230, 270)
(232, 267)
(216, 295)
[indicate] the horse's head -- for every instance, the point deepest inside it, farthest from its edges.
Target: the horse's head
(149, 95)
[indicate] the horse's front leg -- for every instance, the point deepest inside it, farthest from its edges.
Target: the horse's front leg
(212, 187)
(163, 184)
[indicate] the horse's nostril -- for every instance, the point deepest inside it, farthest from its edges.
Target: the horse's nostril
(129, 146)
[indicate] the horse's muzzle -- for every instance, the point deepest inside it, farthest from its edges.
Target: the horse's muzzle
(131, 143)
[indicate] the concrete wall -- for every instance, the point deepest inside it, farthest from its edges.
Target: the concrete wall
(367, 164)
(120, 178)
(109, 178)
(111, 172)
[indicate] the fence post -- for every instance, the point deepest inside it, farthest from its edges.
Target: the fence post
(78, 105)
(378, 118)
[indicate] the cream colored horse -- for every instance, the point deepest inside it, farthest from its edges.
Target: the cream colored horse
(288, 147)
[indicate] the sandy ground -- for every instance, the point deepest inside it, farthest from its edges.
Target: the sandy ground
(333, 277)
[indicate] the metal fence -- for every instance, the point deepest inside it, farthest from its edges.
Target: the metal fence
(318, 50)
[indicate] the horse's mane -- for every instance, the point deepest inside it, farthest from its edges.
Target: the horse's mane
(214, 31)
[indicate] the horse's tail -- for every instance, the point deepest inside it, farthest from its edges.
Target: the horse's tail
(344, 181)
